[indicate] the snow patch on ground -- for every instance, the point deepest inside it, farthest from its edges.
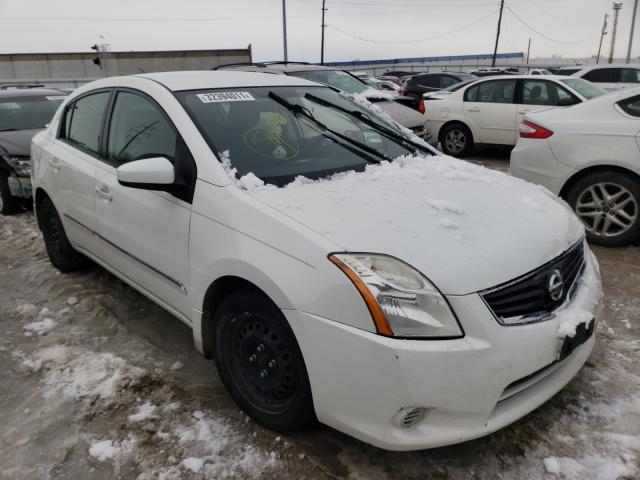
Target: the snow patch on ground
(591, 467)
(104, 450)
(41, 327)
(145, 412)
(89, 374)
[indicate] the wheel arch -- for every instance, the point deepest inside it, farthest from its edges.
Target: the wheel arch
(217, 291)
(576, 177)
(455, 121)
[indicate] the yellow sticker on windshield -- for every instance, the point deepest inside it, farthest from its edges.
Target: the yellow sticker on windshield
(268, 142)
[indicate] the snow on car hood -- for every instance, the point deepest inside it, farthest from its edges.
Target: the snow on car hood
(465, 227)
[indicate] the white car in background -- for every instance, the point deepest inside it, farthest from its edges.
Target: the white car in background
(490, 110)
(333, 267)
(590, 156)
(539, 71)
(609, 77)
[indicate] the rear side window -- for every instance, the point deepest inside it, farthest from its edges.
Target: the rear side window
(494, 91)
(446, 81)
(631, 106)
(83, 121)
(629, 75)
(139, 130)
(602, 75)
(540, 92)
(431, 81)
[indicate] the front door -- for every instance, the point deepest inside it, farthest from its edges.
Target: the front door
(537, 95)
(144, 234)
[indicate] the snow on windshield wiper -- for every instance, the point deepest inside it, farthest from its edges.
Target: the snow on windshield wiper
(300, 110)
(372, 123)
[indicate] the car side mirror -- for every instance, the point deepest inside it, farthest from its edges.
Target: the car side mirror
(155, 173)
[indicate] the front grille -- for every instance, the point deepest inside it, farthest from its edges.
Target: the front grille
(528, 298)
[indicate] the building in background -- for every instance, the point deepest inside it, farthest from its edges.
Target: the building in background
(69, 70)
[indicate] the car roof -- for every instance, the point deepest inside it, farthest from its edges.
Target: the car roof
(29, 92)
(199, 80)
(599, 67)
(275, 68)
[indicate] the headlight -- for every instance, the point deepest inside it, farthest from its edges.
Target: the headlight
(21, 165)
(402, 301)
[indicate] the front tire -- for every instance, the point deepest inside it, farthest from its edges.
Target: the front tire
(62, 255)
(9, 205)
(456, 140)
(608, 203)
(260, 363)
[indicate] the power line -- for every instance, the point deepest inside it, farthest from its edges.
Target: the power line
(546, 37)
(417, 40)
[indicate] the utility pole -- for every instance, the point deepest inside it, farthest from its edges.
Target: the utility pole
(495, 50)
(616, 12)
(604, 32)
(633, 27)
(284, 28)
(528, 50)
(322, 41)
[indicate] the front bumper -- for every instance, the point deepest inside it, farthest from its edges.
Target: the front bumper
(360, 381)
(20, 186)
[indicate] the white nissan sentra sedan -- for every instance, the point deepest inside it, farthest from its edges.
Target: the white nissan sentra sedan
(335, 267)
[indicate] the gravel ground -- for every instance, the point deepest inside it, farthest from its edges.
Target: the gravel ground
(100, 383)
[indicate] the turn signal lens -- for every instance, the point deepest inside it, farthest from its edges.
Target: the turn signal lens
(531, 130)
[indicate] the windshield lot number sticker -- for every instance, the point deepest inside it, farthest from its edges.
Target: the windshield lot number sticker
(225, 97)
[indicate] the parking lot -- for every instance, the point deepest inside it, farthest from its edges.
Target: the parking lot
(98, 382)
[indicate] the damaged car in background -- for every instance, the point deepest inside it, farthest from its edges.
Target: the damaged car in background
(23, 113)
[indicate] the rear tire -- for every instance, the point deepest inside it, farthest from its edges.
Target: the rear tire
(260, 363)
(608, 203)
(456, 140)
(9, 205)
(62, 255)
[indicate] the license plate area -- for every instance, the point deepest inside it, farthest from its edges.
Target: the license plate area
(583, 333)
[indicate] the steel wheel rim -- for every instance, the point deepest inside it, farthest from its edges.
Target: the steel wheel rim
(455, 140)
(261, 360)
(607, 209)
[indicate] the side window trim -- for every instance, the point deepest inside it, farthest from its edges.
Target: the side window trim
(63, 120)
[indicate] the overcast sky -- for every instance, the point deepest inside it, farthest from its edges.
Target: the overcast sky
(357, 29)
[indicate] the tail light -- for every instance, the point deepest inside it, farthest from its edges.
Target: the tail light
(531, 130)
(422, 108)
(404, 91)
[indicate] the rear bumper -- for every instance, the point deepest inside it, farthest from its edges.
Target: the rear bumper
(360, 381)
(20, 186)
(533, 161)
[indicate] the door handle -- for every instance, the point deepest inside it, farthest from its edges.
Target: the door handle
(103, 192)
(473, 109)
(523, 111)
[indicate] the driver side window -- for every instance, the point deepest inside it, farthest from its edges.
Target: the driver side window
(138, 129)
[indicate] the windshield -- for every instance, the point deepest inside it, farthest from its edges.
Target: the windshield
(27, 113)
(334, 78)
(279, 133)
(585, 88)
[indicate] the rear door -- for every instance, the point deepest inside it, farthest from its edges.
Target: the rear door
(538, 94)
(490, 111)
(70, 164)
(629, 77)
(144, 233)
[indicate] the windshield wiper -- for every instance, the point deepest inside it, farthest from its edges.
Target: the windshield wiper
(300, 110)
(387, 132)
(9, 130)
